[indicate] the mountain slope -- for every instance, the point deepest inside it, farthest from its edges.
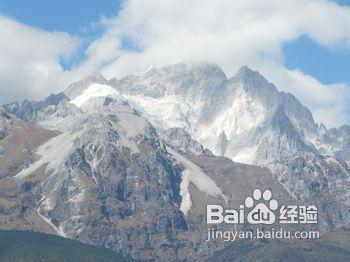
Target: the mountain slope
(18, 143)
(106, 175)
(131, 164)
(98, 179)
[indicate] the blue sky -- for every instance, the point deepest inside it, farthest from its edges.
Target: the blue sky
(73, 16)
(303, 49)
(342, 2)
(327, 65)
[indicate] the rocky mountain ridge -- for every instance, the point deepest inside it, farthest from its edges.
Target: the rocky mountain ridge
(109, 155)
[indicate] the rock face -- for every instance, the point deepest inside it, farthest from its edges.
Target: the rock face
(340, 139)
(321, 180)
(5, 124)
(182, 141)
(132, 163)
(28, 110)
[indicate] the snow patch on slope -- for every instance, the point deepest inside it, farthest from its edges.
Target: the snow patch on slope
(193, 174)
(52, 153)
(163, 112)
(94, 90)
(186, 202)
(244, 155)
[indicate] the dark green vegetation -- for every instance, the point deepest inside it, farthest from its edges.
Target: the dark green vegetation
(28, 246)
(281, 251)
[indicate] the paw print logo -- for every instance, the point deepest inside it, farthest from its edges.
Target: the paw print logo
(262, 213)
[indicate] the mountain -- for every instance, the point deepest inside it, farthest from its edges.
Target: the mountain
(245, 109)
(98, 179)
(32, 247)
(28, 110)
(246, 119)
(131, 164)
(238, 117)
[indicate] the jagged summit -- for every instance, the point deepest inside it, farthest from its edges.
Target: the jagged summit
(199, 98)
(255, 84)
(76, 88)
(246, 71)
(247, 74)
(96, 76)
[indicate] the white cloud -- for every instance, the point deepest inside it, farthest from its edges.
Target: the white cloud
(229, 33)
(29, 60)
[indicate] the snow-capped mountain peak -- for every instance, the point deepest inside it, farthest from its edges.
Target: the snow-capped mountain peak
(238, 117)
(76, 88)
(207, 104)
(93, 90)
